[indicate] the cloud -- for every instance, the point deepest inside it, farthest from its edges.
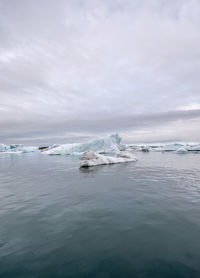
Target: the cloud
(176, 125)
(72, 66)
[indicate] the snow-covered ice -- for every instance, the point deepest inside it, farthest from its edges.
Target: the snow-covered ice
(90, 158)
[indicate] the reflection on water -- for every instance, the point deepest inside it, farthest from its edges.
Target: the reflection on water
(126, 220)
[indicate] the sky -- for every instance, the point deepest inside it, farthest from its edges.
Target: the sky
(72, 70)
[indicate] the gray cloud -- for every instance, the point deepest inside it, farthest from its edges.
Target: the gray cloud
(86, 68)
(179, 125)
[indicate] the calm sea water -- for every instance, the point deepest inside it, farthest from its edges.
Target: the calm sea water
(129, 220)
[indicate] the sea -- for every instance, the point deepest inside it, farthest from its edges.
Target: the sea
(138, 219)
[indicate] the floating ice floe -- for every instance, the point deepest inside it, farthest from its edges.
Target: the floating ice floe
(109, 144)
(90, 158)
(14, 148)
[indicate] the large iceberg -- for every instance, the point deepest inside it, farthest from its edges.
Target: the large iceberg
(108, 144)
(90, 158)
(14, 148)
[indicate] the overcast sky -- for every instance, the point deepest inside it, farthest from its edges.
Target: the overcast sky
(76, 69)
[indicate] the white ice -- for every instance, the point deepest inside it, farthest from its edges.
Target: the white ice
(90, 158)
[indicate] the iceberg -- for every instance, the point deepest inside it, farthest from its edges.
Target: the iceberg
(180, 147)
(181, 150)
(29, 149)
(172, 147)
(108, 144)
(3, 147)
(177, 147)
(14, 148)
(90, 158)
(194, 148)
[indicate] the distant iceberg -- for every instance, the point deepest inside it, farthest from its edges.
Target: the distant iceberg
(181, 150)
(171, 147)
(180, 147)
(108, 144)
(3, 147)
(194, 148)
(14, 148)
(177, 147)
(90, 158)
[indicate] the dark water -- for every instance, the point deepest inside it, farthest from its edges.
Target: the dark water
(130, 220)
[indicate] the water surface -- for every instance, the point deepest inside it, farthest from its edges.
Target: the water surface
(128, 220)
